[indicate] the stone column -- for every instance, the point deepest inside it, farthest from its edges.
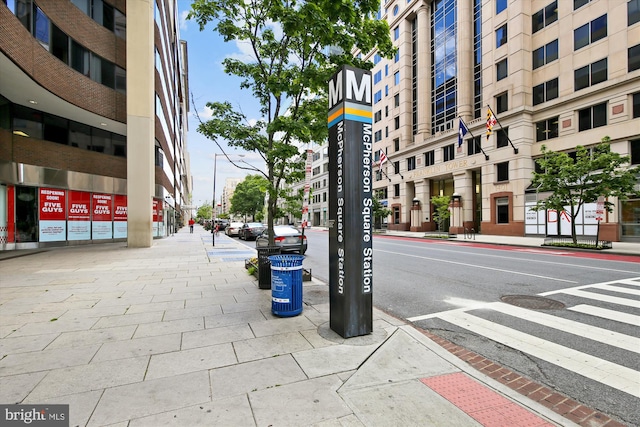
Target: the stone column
(463, 185)
(465, 60)
(424, 71)
(140, 122)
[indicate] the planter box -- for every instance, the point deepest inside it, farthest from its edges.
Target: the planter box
(306, 274)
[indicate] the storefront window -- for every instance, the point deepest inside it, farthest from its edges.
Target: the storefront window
(502, 209)
(631, 218)
(26, 214)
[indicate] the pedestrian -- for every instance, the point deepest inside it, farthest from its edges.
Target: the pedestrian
(191, 222)
(217, 228)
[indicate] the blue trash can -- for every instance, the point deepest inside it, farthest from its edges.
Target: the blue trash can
(286, 285)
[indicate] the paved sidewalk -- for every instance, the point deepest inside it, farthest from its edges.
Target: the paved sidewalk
(179, 334)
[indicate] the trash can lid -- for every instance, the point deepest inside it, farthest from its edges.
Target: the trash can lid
(286, 260)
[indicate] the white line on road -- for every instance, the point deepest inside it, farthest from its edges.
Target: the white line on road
(605, 336)
(605, 372)
(605, 313)
(618, 289)
(596, 296)
(477, 266)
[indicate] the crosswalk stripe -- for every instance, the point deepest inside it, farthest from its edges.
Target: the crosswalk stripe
(605, 336)
(605, 372)
(605, 313)
(601, 297)
(618, 289)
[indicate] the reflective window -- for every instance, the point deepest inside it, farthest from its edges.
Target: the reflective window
(444, 66)
(502, 103)
(547, 129)
(501, 36)
(500, 6)
(633, 12)
(56, 129)
(502, 171)
(59, 44)
(27, 122)
(26, 214)
(502, 210)
(41, 28)
(590, 32)
(501, 69)
(80, 135)
(592, 117)
(502, 137)
(633, 57)
(544, 17)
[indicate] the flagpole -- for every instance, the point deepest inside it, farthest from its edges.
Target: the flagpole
(515, 150)
(486, 157)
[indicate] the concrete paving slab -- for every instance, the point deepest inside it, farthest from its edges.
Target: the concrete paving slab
(12, 324)
(138, 347)
(253, 376)
(279, 326)
(399, 358)
(219, 335)
(241, 317)
(348, 421)
(304, 403)
(407, 403)
(232, 411)
(210, 301)
(36, 361)
(94, 312)
(331, 360)
(269, 346)
(90, 377)
(142, 299)
(170, 327)
(316, 340)
(25, 344)
(128, 319)
(158, 306)
(244, 306)
(185, 313)
(16, 387)
(193, 360)
(146, 398)
(177, 296)
(93, 336)
(81, 405)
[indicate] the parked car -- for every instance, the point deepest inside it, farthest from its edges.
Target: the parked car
(232, 229)
(285, 236)
(250, 230)
(222, 224)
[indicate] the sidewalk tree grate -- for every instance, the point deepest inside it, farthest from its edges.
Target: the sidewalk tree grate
(532, 302)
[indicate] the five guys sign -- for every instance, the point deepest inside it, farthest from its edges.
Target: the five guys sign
(350, 203)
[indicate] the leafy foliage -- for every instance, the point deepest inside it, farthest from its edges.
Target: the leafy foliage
(595, 172)
(441, 210)
(204, 211)
(248, 197)
(295, 47)
(379, 210)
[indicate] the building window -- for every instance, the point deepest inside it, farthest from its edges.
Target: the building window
(386, 111)
(544, 17)
(633, 12)
(411, 163)
(395, 10)
(448, 153)
(577, 4)
(547, 129)
(386, 131)
(377, 97)
(386, 90)
(396, 190)
(501, 36)
(376, 58)
(501, 69)
(592, 117)
(396, 122)
(545, 92)
(500, 6)
(590, 74)
(633, 57)
(377, 116)
(396, 33)
(502, 171)
(635, 151)
(502, 137)
(396, 78)
(443, 71)
(590, 32)
(377, 77)
(396, 167)
(396, 144)
(397, 57)
(545, 54)
(502, 210)
(474, 145)
(429, 158)
(378, 136)
(396, 100)
(502, 103)
(636, 105)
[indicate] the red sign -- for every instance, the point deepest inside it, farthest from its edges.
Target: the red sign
(156, 204)
(79, 206)
(102, 207)
(600, 208)
(52, 204)
(120, 208)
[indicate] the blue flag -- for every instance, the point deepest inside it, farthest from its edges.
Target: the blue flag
(462, 131)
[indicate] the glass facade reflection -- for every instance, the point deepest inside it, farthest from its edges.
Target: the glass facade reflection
(444, 68)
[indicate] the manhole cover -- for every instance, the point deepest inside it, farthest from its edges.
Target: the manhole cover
(532, 302)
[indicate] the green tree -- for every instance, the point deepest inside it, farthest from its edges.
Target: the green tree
(441, 210)
(379, 210)
(596, 171)
(204, 211)
(295, 48)
(248, 197)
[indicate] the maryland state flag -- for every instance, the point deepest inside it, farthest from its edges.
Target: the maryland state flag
(491, 122)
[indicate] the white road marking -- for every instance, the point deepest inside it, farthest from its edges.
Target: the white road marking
(605, 372)
(600, 297)
(605, 336)
(618, 289)
(605, 313)
(478, 266)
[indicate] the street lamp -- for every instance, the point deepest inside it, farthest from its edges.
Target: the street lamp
(213, 202)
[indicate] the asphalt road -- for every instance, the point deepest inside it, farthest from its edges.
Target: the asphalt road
(551, 331)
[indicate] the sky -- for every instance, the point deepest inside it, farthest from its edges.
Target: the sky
(209, 83)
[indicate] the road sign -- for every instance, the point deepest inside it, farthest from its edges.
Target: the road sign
(600, 209)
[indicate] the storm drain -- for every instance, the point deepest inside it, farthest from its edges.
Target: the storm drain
(532, 302)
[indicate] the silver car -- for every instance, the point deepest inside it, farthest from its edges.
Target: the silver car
(233, 228)
(285, 236)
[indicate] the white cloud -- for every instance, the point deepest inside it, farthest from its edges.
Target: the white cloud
(183, 20)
